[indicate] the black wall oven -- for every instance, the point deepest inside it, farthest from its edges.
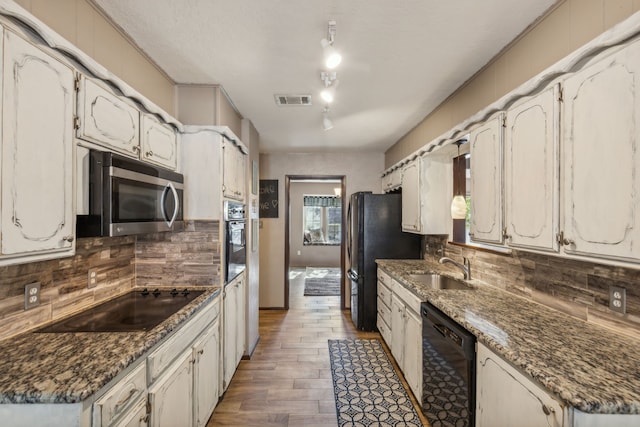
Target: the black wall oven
(448, 370)
(235, 240)
(127, 196)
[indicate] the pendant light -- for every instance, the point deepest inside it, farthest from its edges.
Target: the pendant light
(459, 203)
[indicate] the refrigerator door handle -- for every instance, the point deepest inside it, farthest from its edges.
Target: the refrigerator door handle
(349, 236)
(352, 275)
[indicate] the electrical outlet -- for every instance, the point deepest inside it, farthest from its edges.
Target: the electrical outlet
(618, 299)
(92, 278)
(31, 295)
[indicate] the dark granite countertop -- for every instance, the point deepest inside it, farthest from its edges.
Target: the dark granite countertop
(572, 359)
(71, 367)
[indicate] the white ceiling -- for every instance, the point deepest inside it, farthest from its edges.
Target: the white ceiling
(401, 58)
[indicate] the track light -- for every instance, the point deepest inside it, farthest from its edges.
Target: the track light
(332, 57)
(329, 78)
(326, 121)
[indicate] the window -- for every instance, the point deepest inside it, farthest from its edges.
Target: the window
(322, 220)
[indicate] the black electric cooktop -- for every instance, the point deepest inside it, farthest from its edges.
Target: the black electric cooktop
(132, 312)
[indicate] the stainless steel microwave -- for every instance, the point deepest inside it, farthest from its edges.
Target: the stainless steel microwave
(127, 196)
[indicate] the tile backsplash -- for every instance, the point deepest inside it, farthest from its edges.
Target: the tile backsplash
(189, 257)
(579, 288)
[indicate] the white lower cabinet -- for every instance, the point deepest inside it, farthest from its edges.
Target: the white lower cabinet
(169, 397)
(403, 334)
(233, 327)
(505, 397)
(206, 353)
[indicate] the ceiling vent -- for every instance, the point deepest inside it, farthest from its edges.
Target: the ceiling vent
(293, 100)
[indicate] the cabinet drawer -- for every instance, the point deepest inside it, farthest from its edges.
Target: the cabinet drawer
(384, 311)
(162, 357)
(121, 396)
(384, 329)
(410, 300)
(384, 278)
(384, 294)
(136, 417)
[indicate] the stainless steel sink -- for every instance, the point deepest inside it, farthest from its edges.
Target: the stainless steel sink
(437, 281)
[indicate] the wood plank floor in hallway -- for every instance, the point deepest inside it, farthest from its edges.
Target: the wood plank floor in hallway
(288, 382)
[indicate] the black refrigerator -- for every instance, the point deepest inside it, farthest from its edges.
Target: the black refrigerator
(374, 232)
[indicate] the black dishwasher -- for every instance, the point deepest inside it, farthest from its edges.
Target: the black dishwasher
(448, 370)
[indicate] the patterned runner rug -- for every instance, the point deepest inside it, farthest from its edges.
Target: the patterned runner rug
(322, 281)
(367, 390)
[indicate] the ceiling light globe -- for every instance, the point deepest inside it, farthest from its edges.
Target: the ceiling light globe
(326, 123)
(458, 207)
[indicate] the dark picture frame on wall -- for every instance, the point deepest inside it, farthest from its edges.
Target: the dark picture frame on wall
(268, 198)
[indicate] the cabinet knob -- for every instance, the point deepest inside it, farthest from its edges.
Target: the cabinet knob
(149, 153)
(201, 351)
(547, 410)
(135, 149)
(68, 238)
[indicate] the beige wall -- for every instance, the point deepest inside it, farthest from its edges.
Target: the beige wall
(362, 171)
(207, 105)
(572, 24)
(82, 24)
(309, 256)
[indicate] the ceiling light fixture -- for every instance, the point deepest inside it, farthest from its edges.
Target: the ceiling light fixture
(332, 57)
(459, 203)
(326, 121)
(329, 78)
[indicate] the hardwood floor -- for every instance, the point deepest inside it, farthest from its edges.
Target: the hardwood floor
(288, 381)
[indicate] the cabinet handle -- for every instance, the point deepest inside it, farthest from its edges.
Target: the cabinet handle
(68, 238)
(149, 153)
(144, 418)
(122, 402)
(135, 149)
(201, 351)
(505, 235)
(562, 239)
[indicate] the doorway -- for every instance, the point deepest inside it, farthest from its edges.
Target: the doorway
(315, 230)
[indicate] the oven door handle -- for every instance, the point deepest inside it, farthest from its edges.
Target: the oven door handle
(176, 207)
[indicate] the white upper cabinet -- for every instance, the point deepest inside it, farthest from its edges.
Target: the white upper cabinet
(159, 142)
(486, 181)
(234, 171)
(113, 122)
(436, 192)
(107, 119)
(392, 180)
(37, 151)
(531, 172)
(601, 178)
(411, 209)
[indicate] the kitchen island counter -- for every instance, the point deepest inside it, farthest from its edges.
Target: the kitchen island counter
(587, 366)
(71, 367)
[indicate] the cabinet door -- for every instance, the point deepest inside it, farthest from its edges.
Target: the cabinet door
(241, 171)
(413, 352)
(240, 319)
(601, 177)
(230, 324)
(171, 395)
(528, 405)
(397, 328)
(436, 193)
(411, 197)
(486, 181)
(205, 375)
(531, 172)
(159, 143)
(229, 170)
(37, 157)
(107, 119)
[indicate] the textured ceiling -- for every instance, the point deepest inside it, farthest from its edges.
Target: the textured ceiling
(401, 58)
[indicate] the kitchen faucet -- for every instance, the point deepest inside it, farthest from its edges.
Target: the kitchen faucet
(466, 268)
